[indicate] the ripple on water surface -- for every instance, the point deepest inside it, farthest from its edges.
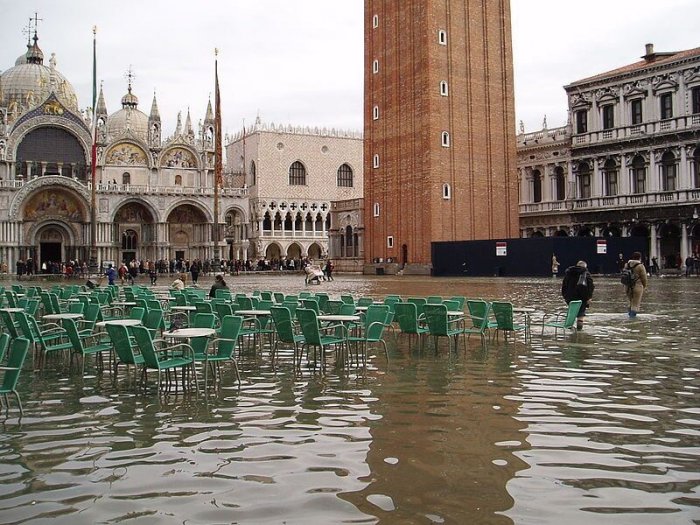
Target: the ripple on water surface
(601, 427)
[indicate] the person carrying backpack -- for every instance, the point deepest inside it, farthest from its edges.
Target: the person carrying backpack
(634, 277)
(578, 285)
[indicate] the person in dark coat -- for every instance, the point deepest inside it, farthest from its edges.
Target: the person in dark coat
(219, 284)
(572, 290)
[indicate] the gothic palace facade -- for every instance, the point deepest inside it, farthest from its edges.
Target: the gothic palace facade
(628, 162)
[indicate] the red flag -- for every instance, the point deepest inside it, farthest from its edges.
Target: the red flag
(218, 168)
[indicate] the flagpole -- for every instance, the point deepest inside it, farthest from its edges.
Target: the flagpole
(216, 233)
(93, 193)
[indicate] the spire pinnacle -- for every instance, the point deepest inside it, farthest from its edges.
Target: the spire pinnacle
(155, 114)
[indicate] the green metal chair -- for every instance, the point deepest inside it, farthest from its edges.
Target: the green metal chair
(347, 299)
(15, 362)
(284, 328)
(569, 318)
(333, 307)
(84, 346)
(11, 325)
(4, 344)
(51, 340)
(157, 356)
(406, 315)
(201, 344)
(125, 347)
(503, 312)
(420, 302)
(313, 336)
(312, 304)
(365, 301)
(154, 321)
(224, 346)
(461, 300)
(479, 316)
(440, 325)
(373, 327)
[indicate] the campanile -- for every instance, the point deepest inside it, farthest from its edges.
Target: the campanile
(439, 127)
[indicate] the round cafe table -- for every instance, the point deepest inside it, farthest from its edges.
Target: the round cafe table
(119, 322)
(58, 317)
(183, 308)
(187, 333)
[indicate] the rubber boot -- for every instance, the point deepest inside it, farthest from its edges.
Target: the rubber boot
(633, 313)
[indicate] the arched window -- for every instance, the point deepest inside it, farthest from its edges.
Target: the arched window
(375, 113)
(345, 176)
(129, 240)
(639, 175)
(696, 168)
(253, 172)
(560, 181)
(610, 178)
(178, 180)
(536, 186)
(375, 21)
(584, 181)
(446, 191)
(126, 178)
(443, 88)
(375, 209)
(445, 140)
(668, 172)
(375, 66)
(297, 174)
(442, 37)
(375, 161)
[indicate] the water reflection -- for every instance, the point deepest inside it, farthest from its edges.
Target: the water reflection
(600, 428)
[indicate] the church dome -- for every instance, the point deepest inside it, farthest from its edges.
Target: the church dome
(30, 82)
(129, 118)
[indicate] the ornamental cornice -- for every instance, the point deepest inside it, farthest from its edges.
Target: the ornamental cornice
(629, 157)
(636, 89)
(668, 81)
(607, 94)
(580, 100)
(43, 182)
(691, 76)
(659, 153)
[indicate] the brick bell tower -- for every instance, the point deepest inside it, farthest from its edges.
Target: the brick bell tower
(439, 132)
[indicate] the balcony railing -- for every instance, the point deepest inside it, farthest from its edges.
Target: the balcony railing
(648, 128)
(143, 190)
(662, 198)
(286, 234)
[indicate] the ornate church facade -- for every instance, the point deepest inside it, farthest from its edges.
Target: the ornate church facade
(153, 198)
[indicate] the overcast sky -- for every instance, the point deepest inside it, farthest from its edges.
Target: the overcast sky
(300, 62)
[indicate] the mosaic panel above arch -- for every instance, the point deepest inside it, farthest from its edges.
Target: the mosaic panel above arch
(133, 213)
(187, 214)
(178, 158)
(126, 154)
(53, 203)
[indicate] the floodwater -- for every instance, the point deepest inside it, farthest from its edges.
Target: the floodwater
(602, 427)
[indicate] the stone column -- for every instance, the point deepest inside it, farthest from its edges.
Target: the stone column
(684, 243)
(653, 248)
